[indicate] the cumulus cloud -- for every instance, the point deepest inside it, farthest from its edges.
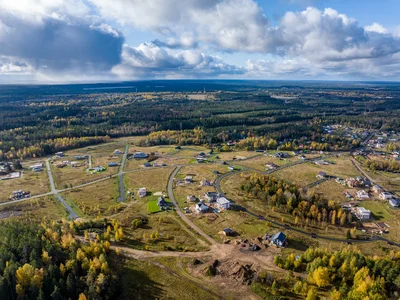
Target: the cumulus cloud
(151, 61)
(75, 37)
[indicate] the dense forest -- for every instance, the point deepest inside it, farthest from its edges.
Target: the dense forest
(47, 262)
(347, 273)
(36, 125)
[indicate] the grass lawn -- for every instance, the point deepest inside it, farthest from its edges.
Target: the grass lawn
(152, 207)
(37, 183)
(145, 280)
(34, 210)
(235, 154)
(92, 199)
(390, 181)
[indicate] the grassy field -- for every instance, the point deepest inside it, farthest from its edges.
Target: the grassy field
(154, 179)
(332, 190)
(92, 199)
(304, 174)
(259, 162)
(34, 210)
(148, 281)
(172, 233)
(36, 183)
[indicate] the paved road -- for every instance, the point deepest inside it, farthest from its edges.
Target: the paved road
(180, 213)
(72, 213)
(122, 195)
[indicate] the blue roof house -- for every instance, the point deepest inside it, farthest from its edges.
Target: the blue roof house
(279, 239)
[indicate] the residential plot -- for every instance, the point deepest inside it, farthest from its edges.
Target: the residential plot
(332, 190)
(259, 162)
(95, 199)
(34, 210)
(35, 182)
(305, 174)
(198, 173)
(154, 179)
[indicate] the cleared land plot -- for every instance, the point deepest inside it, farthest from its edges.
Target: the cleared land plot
(95, 198)
(162, 150)
(37, 183)
(331, 190)
(189, 151)
(154, 180)
(105, 149)
(34, 210)
(259, 162)
(235, 154)
(305, 174)
(148, 281)
(163, 231)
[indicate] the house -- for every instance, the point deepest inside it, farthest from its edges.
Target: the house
(113, 164)
(118, 152)
(385, 196)
(231, 168)
(142, 192)
(362, 194)
(60, 154)
(394, 203)
(201, 207)
(362, 213)
(227, 232)
(351, 182)
(281, 155)
(223, 203)
(140, 155)
(189, 179)
(96, 170)
(200, 159)
(279, 239)
(271, 166)
(302, 157)
(202, 154)
(162, 203)
(159, 164)
(80, 157)
(321, 175)
(19, 194)
(36, 166)
(206, 182)
(211, 196)
(377, 189)
(339, 180)
(147, 165)
(321, 163)
(191, 198)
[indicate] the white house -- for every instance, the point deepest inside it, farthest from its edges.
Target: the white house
(394, 203)
(224, 203)
(142, 192)
(211, 196)
(385, 196)
(362, 195)
(362, 213)
(140, 155)
(191, 198)
(201, 207)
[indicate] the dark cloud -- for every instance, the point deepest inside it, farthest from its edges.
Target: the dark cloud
(55, 44)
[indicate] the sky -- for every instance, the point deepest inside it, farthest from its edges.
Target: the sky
(62, 41)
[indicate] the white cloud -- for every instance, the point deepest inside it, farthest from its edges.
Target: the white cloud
(149, 60)
(376, 27)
